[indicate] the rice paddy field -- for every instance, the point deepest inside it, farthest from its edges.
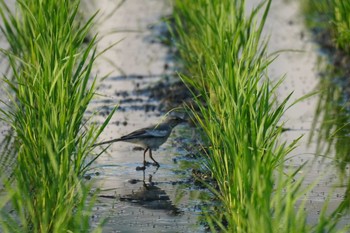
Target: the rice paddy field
(262, 86)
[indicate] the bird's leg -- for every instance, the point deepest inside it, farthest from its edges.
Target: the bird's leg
(144, 182)
(144, 161)
(144, 156)
(150, 155)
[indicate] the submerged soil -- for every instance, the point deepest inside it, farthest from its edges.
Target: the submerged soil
(144, 85)
(142, 81)
(166, 200)
(300, 67)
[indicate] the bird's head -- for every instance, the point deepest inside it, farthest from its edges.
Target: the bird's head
(174, 121)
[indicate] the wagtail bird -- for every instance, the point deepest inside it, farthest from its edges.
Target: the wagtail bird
(149, 138)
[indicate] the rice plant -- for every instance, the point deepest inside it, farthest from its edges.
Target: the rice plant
(330, 17)
(225, 61)
(50, 87)
(342, 24)
(332, 113)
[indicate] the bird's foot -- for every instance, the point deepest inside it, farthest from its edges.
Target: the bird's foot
(147, 164)
(140, 168)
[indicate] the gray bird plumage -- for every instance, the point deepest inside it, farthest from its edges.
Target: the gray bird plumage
(149, 138)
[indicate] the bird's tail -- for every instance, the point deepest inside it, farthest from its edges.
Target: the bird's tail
(106, 142)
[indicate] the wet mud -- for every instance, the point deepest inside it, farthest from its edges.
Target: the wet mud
(301, 67)
(141, 80)
(144, 84)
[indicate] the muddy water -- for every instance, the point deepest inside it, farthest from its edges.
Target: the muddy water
(301, 70)
(165, 199)
(154, 200)
(143, 62)
(300, 65)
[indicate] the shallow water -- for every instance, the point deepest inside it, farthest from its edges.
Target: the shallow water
(165, 199)
(301, 67)
(156, 200)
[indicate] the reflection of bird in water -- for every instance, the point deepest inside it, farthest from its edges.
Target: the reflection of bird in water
(149, 138)
(151, 197)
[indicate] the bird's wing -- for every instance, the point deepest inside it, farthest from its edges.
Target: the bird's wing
(147, 132)
(157, 132)
(137, 133)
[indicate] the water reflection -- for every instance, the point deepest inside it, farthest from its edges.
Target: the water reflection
(147, 194)
(332, 121)
(150, 196)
